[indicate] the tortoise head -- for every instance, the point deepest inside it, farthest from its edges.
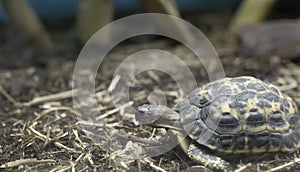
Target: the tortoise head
(157, 116)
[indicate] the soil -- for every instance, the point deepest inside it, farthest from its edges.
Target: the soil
(45, 135)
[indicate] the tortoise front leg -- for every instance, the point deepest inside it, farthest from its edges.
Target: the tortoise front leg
(207, 159)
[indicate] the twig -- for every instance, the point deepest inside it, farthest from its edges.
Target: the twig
(52, 97)
(119, 108)
(296, 160)
(63, 169)
(124, 165)
(139, 165)
(61, 108)
(84, 169)
(154, 166)
(153, 76)
(88, 157)
(114, 83)
(242, 168)
(287, 83)
(8, 97)
(45, 138)
(75, 132)
(25, 161)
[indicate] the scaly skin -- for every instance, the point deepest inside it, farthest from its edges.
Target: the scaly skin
(161, 116)
(238, 117)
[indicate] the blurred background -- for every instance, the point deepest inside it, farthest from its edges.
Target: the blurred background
(37, 32)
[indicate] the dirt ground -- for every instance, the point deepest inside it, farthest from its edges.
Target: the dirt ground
(39, 129)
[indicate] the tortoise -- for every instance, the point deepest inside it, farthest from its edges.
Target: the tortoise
(232, 119)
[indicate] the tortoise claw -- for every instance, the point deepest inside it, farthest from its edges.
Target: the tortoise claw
(208, 160)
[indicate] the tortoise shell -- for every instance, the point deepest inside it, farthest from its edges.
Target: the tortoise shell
(241, 115)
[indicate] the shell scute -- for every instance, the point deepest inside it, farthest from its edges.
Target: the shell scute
(242, 115)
